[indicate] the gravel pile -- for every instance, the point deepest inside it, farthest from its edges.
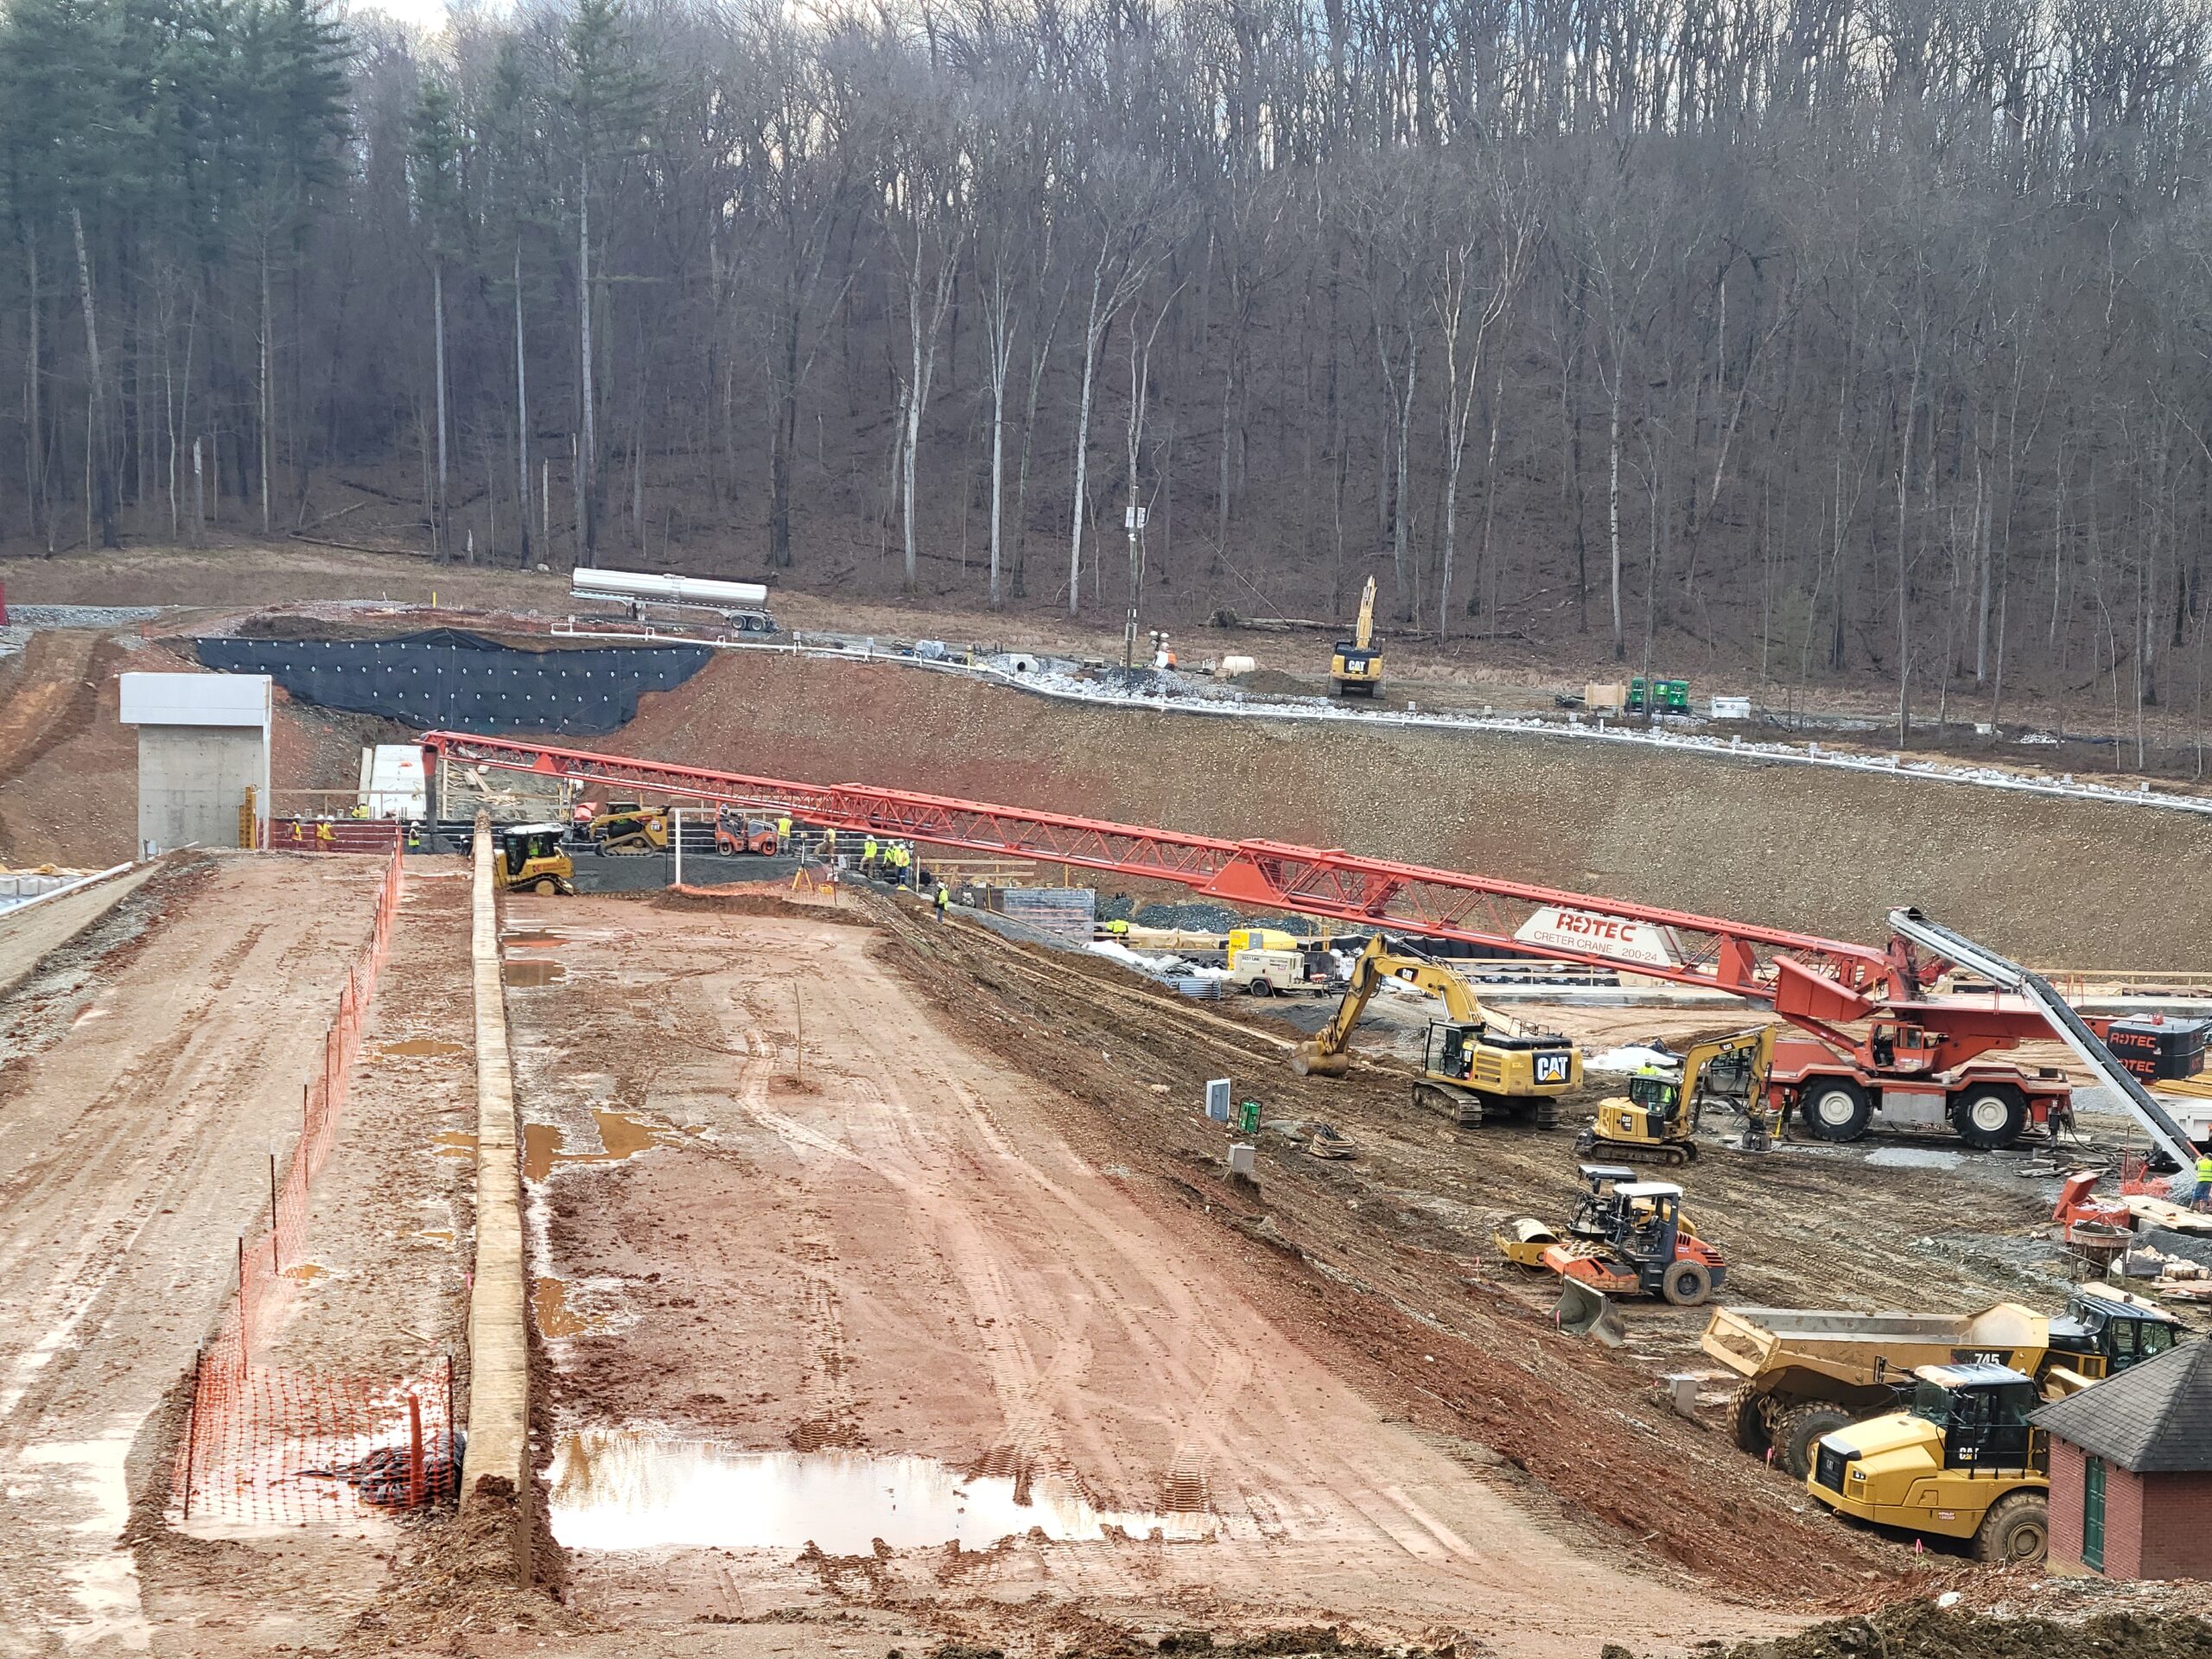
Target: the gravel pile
(29, 619)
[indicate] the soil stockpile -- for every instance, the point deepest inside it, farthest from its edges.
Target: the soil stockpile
(2055, 882)
(1919, 1630)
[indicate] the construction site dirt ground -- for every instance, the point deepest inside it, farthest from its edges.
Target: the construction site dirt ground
(969, 1239)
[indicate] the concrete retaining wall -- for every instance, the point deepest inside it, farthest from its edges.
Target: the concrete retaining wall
(498, 1494)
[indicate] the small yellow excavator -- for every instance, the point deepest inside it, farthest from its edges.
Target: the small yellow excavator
(1656, 1121)
(1473, 1066)
(1357, 667)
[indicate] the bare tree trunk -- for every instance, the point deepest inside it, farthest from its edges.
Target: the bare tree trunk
(440, 538)
(922, 332)
(35, 452)
(522, 418)
(1090, 344)
(268, 390)
(1905, 608)
(588, 453)
(99, 485)
(999, 336)
(1613, 507)
(1401, 550)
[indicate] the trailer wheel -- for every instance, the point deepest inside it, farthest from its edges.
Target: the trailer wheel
(1261, 988)
(1747, 1424)
(1989, 1115)
(2017, 1528)
(1687, 1284)
(1834, 1109)
(1799, 1430)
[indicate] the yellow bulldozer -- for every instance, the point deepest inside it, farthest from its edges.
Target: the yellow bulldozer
(1655, 1123)
(532, 859)
(1473, 1064)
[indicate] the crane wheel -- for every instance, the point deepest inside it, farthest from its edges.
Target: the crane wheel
(2017, 1528)
(1747, 1424)
(1798, 1431)
(1687, 1284)
(1989, 1116)
(1834, 1109)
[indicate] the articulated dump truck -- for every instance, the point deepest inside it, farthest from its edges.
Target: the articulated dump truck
(1809, 1372)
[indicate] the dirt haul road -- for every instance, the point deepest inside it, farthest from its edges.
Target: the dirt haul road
(898, 1253)
(151, 1067)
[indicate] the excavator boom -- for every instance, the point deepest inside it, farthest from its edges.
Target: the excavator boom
(1329, 1052)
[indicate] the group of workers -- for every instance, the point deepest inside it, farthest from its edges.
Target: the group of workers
(887, 860)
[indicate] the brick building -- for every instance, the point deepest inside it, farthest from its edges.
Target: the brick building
(2131, 1471)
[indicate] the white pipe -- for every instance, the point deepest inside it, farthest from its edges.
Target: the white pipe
(77, 886)
(678, 815)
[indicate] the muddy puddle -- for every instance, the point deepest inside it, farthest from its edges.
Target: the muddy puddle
(534, 941)
(549, 1306)
(421, 1047)
(543, 1146)
(454, 1143)
(531, 970)
(615, 1489)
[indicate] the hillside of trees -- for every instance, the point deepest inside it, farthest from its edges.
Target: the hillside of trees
(1828, 340)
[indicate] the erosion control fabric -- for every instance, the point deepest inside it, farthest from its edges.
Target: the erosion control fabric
(451, 678)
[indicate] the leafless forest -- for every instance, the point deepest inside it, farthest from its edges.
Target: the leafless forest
(1821, 340)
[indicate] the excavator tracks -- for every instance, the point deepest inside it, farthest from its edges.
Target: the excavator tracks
(1469, 1109)
(1668, 1154)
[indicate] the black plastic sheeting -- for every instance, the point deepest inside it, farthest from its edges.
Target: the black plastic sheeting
(448, 679)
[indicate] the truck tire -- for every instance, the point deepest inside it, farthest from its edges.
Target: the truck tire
(1834, 1109)
(1687, 1284)
(2017, 1528)
(1798, 1431)
(1747, 1424)
(1261, 988)
(1989, 1116)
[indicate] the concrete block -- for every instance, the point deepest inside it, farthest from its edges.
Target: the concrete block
(497, 1475)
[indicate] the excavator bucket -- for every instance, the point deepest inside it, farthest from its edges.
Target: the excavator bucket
(1308, 1061)
(1584, 1312)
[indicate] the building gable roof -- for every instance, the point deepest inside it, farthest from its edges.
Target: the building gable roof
(2155, 1418)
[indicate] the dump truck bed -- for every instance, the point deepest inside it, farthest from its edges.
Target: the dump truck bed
(1845, 1347)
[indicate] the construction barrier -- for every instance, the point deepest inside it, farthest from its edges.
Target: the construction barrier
(333, 835)
(497, 1503)
(266, 1444)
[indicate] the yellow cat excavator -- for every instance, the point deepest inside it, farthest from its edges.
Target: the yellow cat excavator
(1474, 1065)
(1655, 1123)
(1357, 667)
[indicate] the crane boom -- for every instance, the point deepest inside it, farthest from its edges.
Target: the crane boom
(1764, 963)
(2074, 1031)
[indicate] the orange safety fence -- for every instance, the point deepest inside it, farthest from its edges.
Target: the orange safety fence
(2136, 1179)
(268, 1443)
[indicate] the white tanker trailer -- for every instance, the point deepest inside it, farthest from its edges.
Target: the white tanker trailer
(737, 603)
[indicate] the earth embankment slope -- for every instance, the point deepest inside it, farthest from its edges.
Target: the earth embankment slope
(2053, 881)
